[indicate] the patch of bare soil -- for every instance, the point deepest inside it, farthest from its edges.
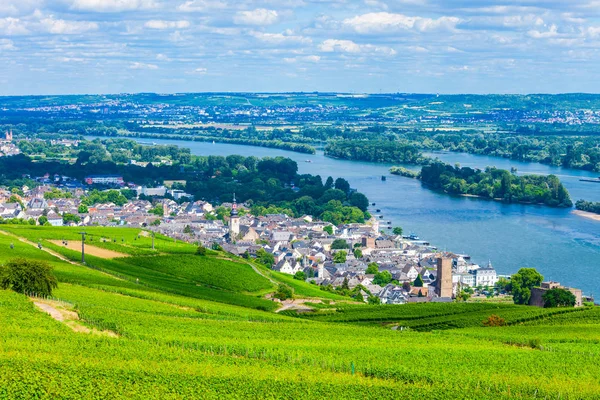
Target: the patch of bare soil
(60, 312)
(89, 249)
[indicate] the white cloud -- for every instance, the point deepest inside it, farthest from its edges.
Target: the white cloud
(162, 57)
(348, 46)
(64, 27)
(259, 17)
(140, 65)
(552, 32)
(201, 5)
(6, 44)
(310, 59)
(18, 7)
(279, 38)
(389, 22)
(112, 5)
(161, 25)
(13, 26)
(198, 71)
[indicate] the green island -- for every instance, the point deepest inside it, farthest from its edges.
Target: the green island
(176, 322)
(588, 206)
(492, 183)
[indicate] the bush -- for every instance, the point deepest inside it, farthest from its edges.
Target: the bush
(201, 251)
(301, 276)
(494, 320)
(283, 292)
(28, 276)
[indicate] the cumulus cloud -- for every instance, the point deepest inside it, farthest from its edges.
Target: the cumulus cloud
(13, 26)
(64, 27)
(388, 22)
(6, 44)
(348, 46)
(111, 5)
(161, 25)
(259, 17)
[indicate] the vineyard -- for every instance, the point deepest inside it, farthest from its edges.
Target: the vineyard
(200, 327)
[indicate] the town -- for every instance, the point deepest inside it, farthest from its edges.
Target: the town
(375, 267)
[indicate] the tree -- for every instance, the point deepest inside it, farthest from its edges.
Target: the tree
(558, 297)
(28, 276)
(418, 282)
(374, 300)
(382, 278)
(397, 231)
(406, 286)
(188, 230)
(339, 244)
(83, 209)
(522, 282)
(265, 257)
(201, 251)
(340, 257)
(359, 200)
(503, 284)
(463, 296)
(358, 253)
(301, 276)
(328, 229)
(71, 218)
(283, 292)
(43, 220)
(372, 268)
(345, 285)
(343, 185)
(420, 293)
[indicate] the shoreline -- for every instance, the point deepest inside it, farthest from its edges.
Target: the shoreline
(588, 215)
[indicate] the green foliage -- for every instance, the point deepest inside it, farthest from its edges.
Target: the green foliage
(28, 276)
(265, 258)
(284, 292)
(558, 297)
(494, 320)
(404, 172)
(201, 251)
(110, 196)
(522, 282)
(340, 257)
(382, 278)
(400, 151)
(358, 253)
(418, 281)
(328, 229)
(300, 276)
(373, 300)
(397, 230)
(82, 209)
(339, 244)
(496, 183)
(588, 206)
(67, 218)
(372, 268)
(56, 193)
(157, 210)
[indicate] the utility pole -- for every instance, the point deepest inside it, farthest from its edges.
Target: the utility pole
(82, 247)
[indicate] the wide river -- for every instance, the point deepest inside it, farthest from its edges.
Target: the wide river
(563, 246)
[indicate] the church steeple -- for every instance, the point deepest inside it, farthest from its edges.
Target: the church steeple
(234, 212)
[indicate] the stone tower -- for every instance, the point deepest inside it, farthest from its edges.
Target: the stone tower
(444, 277)
(234, 221)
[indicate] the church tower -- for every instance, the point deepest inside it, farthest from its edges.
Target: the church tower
(234, 221)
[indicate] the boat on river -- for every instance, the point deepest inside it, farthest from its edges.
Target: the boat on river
(595, 180)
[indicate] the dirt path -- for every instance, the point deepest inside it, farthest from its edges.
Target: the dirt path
(61, 312)
(89, 249)
(297, 305)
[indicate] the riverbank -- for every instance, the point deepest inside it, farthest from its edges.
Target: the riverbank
(588, 215)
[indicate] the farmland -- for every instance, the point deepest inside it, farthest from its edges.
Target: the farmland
(183, 326)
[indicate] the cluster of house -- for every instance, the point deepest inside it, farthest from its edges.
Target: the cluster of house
(297, 244)
(7, 147)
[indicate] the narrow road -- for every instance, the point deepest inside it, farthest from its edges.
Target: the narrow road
(51, 252)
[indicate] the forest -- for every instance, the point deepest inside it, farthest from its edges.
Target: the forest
(400, 151)
(494, 183)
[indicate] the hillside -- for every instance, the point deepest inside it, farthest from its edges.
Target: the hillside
(166, 323)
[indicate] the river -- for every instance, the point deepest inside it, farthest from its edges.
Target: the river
(561, 245)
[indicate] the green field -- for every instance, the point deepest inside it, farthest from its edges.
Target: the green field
(169, 326)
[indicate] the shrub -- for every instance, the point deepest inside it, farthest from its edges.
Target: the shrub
(283, 292)
(201, 251)
(494, 320)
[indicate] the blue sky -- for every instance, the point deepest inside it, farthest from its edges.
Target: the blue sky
(433, 46)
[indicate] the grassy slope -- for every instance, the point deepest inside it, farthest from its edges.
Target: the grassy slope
(173, 346)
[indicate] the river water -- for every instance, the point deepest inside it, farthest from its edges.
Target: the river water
(561, 245)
